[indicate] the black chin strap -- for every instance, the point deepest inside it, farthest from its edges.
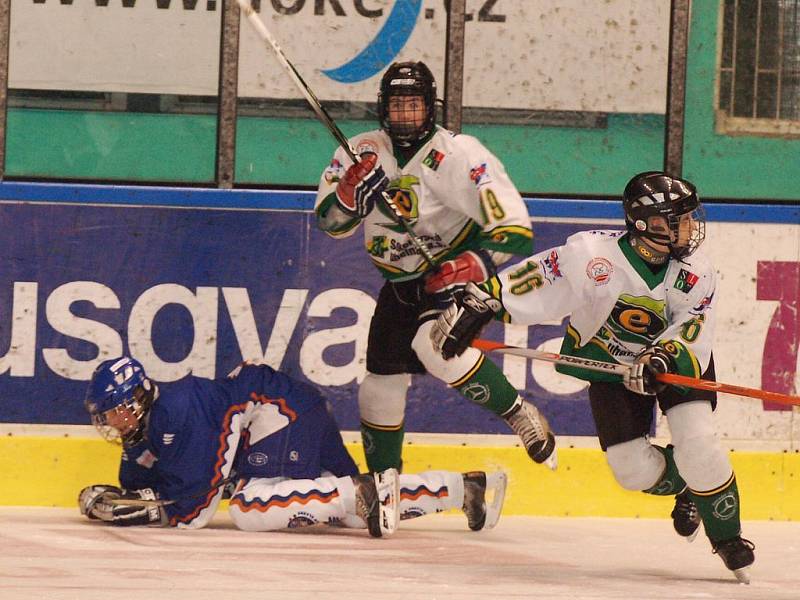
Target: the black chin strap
(646, 252)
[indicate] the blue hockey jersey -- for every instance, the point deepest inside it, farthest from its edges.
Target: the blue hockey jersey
(258, 422)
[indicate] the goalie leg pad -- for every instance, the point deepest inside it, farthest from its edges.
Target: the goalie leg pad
(637, 465)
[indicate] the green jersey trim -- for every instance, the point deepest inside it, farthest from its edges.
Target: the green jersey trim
(512, 239)
(652, 280)
(595, 349)
(336, 229)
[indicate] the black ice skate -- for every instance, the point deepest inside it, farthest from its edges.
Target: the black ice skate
(367, 505)
(737, 554)
(685, 517)
(483, 498)
(534, 431)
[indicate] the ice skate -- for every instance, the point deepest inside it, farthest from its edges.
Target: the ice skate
(737, 554)
(534, 431)
(483, 498)
(685, 517)
(367, 505)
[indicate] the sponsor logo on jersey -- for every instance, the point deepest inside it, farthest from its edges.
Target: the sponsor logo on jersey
(168, 438)
(685, 281)
(301, 519)
(334, 171)
(257, 459)
(402, 193)
(550, 266)
(704, 304)
(294, 456)
(146, 459)
(377, 246)
(599, 270)
(433, 160)
(480, 174)
(366, 146)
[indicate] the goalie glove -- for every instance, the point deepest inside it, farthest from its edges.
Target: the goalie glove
(97, 502)
(362, 186)
(463, 320)
(641, 378)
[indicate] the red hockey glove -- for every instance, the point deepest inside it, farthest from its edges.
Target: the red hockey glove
(472, 265)
(362, 186)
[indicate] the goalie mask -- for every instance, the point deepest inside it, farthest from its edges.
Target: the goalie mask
(119, 398)
(405, 123)
(663, 216)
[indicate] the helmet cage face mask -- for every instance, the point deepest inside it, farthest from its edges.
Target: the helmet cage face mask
(655, 208)
(120, 388)
(407, 79)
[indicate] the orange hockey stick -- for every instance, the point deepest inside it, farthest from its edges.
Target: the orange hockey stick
(617, 369)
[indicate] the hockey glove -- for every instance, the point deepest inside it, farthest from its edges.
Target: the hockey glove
(97, 502)
(472, 265)
(362, 186)
(463, 320)
(641, 379)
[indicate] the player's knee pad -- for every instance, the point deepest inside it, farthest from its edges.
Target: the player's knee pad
(637, 464)
(446, 370)
(702, 461)
(382, 398)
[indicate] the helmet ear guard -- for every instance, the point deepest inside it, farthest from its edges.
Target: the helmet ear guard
(654, 205)
(120, 385)
(407, 79)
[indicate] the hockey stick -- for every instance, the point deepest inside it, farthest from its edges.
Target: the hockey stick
(617, 369)
(145, 503)
(322, 115)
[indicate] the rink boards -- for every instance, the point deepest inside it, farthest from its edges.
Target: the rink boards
(191, 280)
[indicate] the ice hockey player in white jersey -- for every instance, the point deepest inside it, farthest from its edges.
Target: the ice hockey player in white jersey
(460, 202)
(273, 439)
(643, 297)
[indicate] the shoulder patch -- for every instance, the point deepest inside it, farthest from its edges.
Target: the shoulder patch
(480, 174)
(433, 160)
(685, 281)
(599, 270)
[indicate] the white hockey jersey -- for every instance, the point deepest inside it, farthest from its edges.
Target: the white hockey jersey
(617, 305)
(454, 193)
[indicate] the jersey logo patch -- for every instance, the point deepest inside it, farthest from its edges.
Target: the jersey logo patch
(599, 270)
(146, 459)
(685, 281)
(334, 171)
(480, 174)
(433, 160)
(551, 268)
(168, 438)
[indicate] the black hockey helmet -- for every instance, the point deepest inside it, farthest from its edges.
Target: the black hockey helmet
(657, 194)
(407, 79)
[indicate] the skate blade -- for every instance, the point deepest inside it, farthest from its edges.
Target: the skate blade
(388, 484)
(743, 575)
(496, 489)
(551, 462)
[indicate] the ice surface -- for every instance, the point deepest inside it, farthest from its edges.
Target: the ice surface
(56, 554)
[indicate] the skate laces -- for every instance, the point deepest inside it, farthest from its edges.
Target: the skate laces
(527, 424)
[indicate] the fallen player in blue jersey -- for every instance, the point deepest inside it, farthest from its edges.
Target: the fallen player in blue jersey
(270, 438)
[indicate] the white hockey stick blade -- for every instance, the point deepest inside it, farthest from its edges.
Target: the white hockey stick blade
(495, 495)
(388, 484)
(551, 462)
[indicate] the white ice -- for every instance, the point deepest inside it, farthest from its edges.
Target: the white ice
(56, 554)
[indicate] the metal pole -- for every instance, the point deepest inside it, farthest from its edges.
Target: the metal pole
(454, 65)
(228, 94)
(5, 31)
(680, 13)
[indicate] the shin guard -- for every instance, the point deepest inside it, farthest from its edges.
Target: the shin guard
(382, 447)
(719, 509)
(486, 386)
(671, 482)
